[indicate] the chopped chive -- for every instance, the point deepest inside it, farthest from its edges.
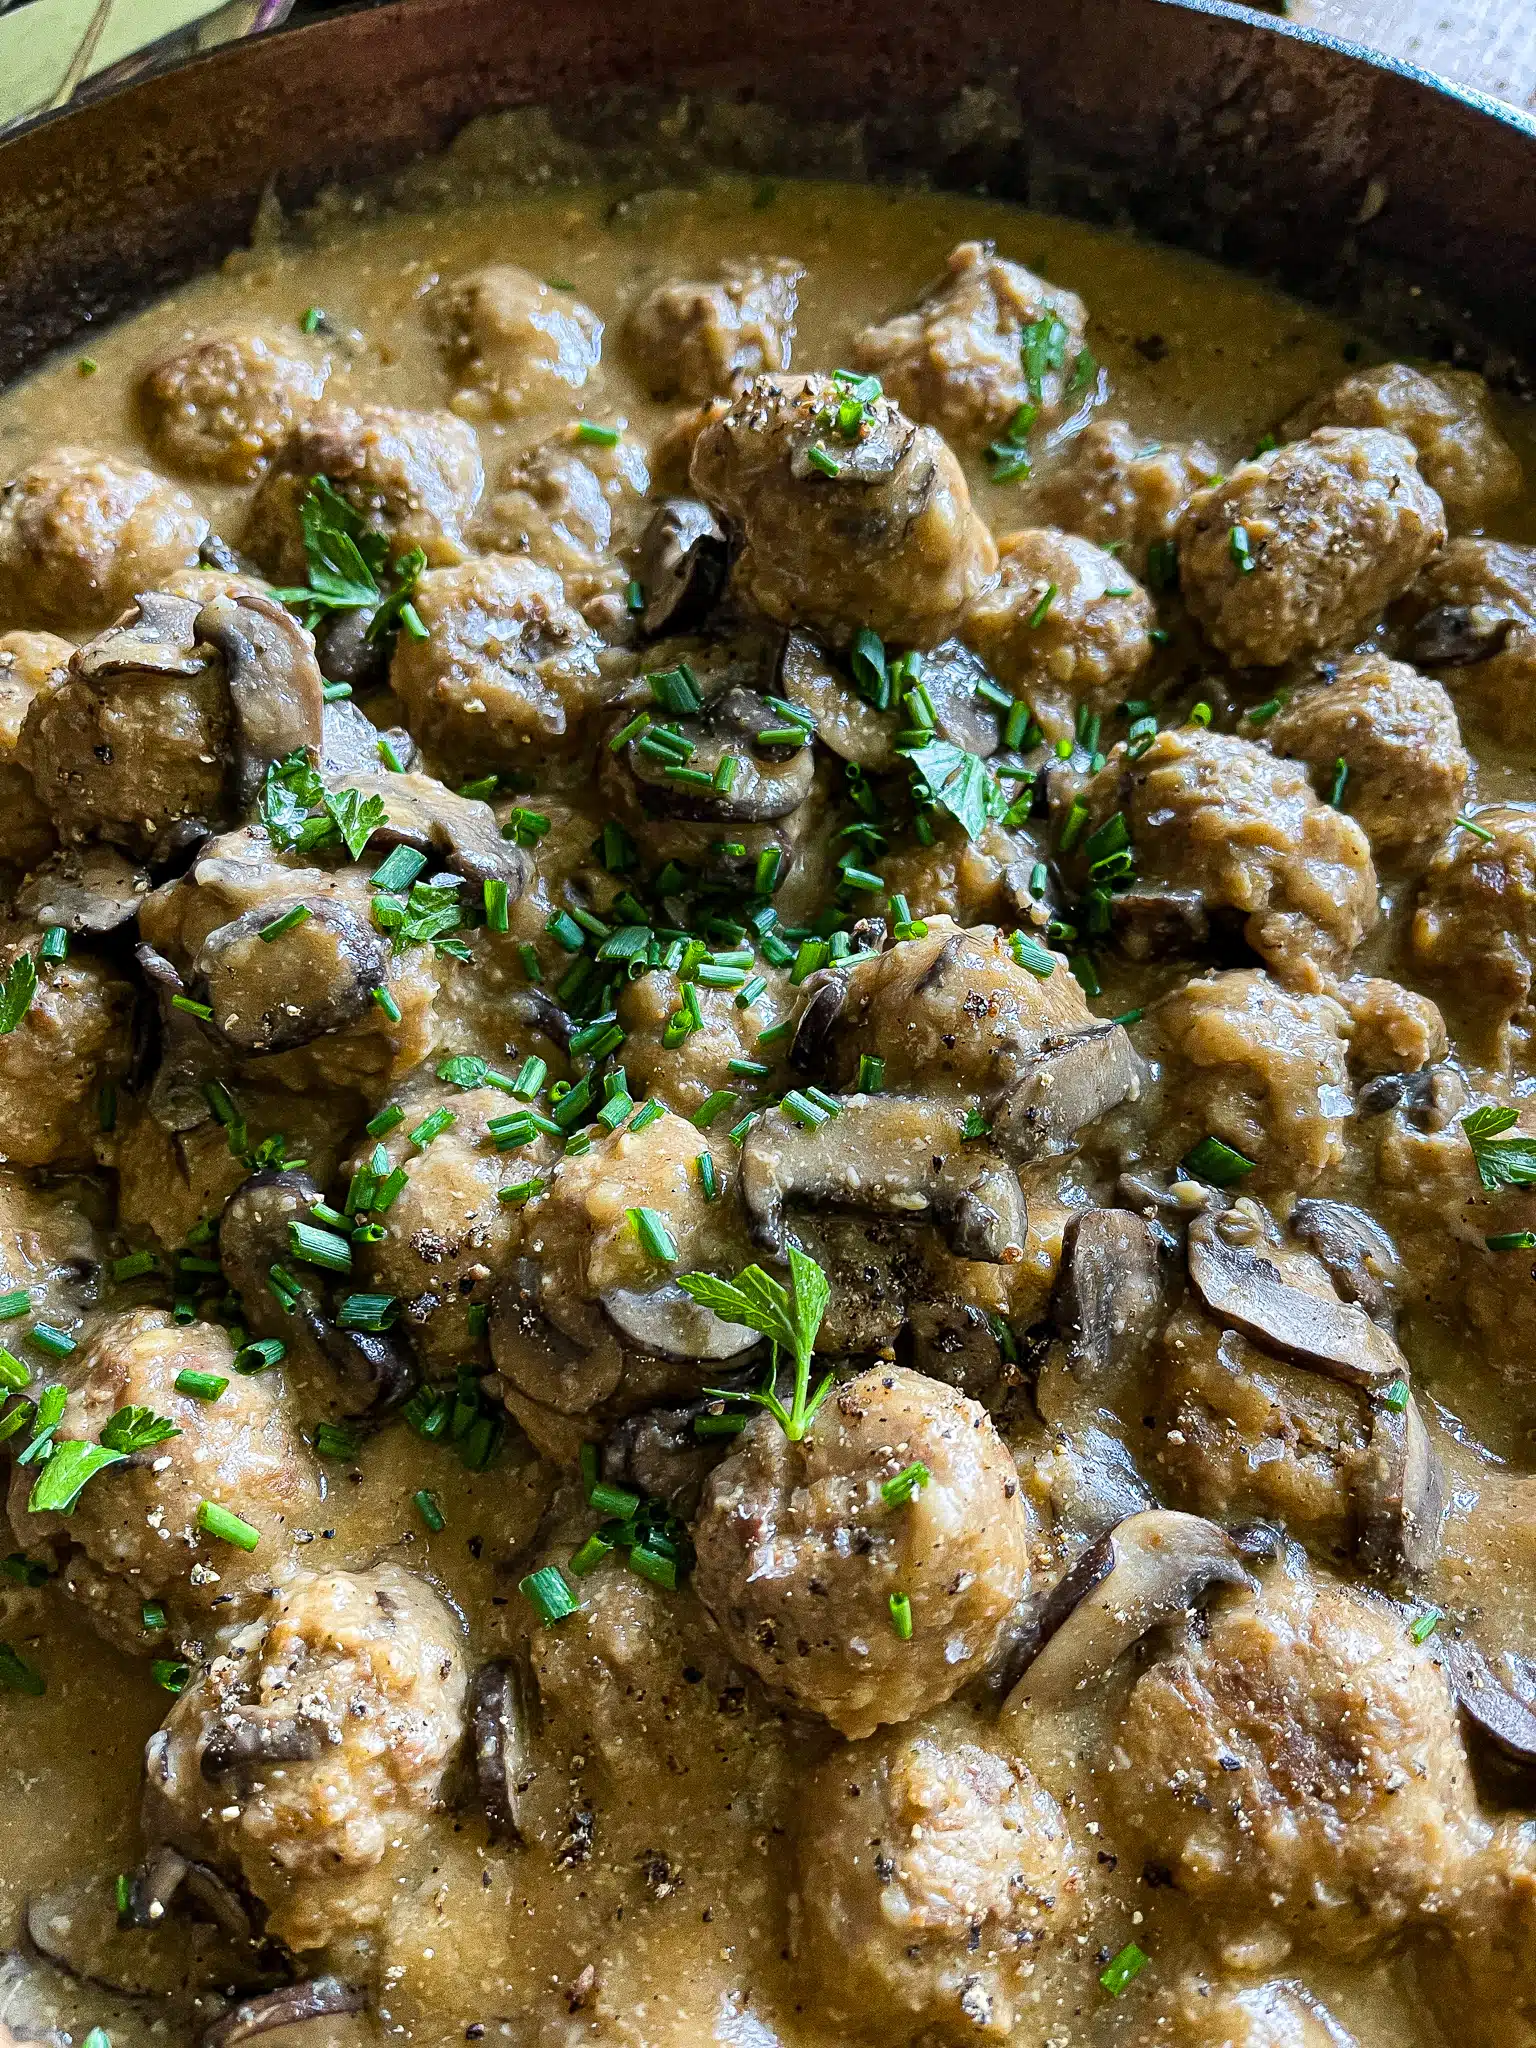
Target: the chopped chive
(646, 1115)
(1512, 1241)
(387, 753)
(651, 1229)
(429, 1510)
(298, 914)
(749, 992)
(192, 1009)
(897, 1492)
(1336, 787)
(809, 1115)
(526, 827)
(17, 1675)
(315, 1247)
(751, 1070)
(1396, 1396)
(1262, 713)
(652, 1565)
(871, 1078)
(523, 1192)
(432, 1126)
(386, 1120)
(227, 1527)
(335, 1440)
(171, 1675)
(547, 1592)
(313, 317)
(366, 1312)
(1217, 1163)
(55, 946)
(14, 1304)
(1042, 610)
(1426, 1625)
(260, 1355)
(590, 1555)
(56, 1343)
(1126, 1966)
(398, 870)
(106, 1106)
(134, 1266)
(387, 1003)
(598, 437)
(818, 458)
(1241, 550)
(1029, 954)
(709, 1179)
(1200, 714)
(333, 693)
(901, 1617)
(151, 1617)
(1467, 825)
(711, 1107)
(202, 1386)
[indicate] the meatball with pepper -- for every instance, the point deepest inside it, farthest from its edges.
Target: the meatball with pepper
(698, 340)
(73, 1038)
(1470, 621)
(223, 404)
(1119, 489)
(520, 344)
(1475, 925)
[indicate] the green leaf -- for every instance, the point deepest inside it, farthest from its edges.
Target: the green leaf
(809, 1293)
(1501, 1162)
(961, 782)
(17, 991)
(1042, 347)
(355, 817)
(58, 1485)
(387, 618)
(430, 912)
(135, 1429)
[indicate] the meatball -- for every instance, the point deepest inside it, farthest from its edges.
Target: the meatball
(506, 663)
(1471, 617)
(31, 665)
(933, 1868)
(837, 534)
(974, 881)
(1462, 455)
(316, 1747)
(135, 1534)
(222, 405)
(134, 744)
(988, 338)
(572, 506)
(1242, 1436)
(75, 1037)
(520, 345)
(685, 1075)
(1065, 626)
(1263, 1070)
(688, 339)
(1394, 1030)
(1299, 549)
(1277, 2015)
(1112, 485)
(1475, 925)
(413, 476)
(1396, 733)
(801, 1556)
(1481, 1975)
(1222, 816)
(1299, 1763)
(49, 1249)
(82, 534)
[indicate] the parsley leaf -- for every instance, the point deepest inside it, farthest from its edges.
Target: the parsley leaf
(426, 916)
(397, 609)
(961, 782)
(135, 1429)
(58, 1486)
(788, 1317)
(356, 817)
(17, 991)
(303, 816)
(347, 562)
(1501, 1162)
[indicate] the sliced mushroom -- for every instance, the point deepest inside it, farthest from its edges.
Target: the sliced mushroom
(1457, 635)
(768, 781)
(1504, 1713)
(349, 742)
(498, 1710)
(681, 564)
(659, 1452)
(825, 996)
(252, 1738)
(1247, 1291)
(254, 1237)
(1112, 1290)
(317, 980)
(1429, 1098)
(1070, 1083)
(1360, 1257)
(1399, 1497)
(77, 1928)
(846, 722)
(1150, 1569)
(1093, 1486)
(87, 890)
(345, 652)
(894, 1155)
(154, 1884)
(274, 684)
(1159, 924)
(460, 831)
(317, 1998)
(668, 1323)
(158, 637)
(218, 1901)
(376, 1373)
(214, 552)
(951, 674)
(571, 1374)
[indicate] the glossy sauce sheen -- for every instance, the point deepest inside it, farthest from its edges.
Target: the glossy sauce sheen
(685, 1906)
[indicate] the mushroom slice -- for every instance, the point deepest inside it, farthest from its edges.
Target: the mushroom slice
(1457, 635)
(1112, 1289)
(559, 1371)
(1159, 924)
(767, 781)
(76, 1927)
(1360, 1257)
(461, 831)
(659, 1452)
(668, 1323)
(1070, 1083)
(1147, 1570)
(154, 1884)
(274, 684)
(254, 1236)
(498, 1712)
(894, 1155)
(1399, 1497)
(157, 637)
(317, 1998)
(825, 996)
(88, 889)
(1504, 1713)
(321, 977)
(1242, 1288)
(377, 1375)
(848, 723)
(951, 674)
(680, 563)
(251, 1738)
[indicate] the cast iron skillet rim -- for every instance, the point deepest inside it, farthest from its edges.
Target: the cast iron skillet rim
(1471, 97)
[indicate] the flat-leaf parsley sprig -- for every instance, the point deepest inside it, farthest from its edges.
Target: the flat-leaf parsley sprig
(788, 1317)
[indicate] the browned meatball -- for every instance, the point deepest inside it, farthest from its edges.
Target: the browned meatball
(50, 1249)
(82, 534)
(1277, 2015)
(1475, 926)
(520, 344)
(75, 1037)
(689, 339)
(1260, 1068)
(1300, 1764)
(414, 476)
(572, 506)
(135, 1534)
(1224, 817)
(1299, 549)
(507, 665)
(1481, 1976)
(1396, 733)
(1065, 626)
(933, 1870)
(338, 1722)
(31, 664)
(957, 361)
(1462, 455)
(222, 405)
(800, 1556)
(840, 533)
(1395, 1029)
(1113, 485)
(1471, 620)
(974, 881)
